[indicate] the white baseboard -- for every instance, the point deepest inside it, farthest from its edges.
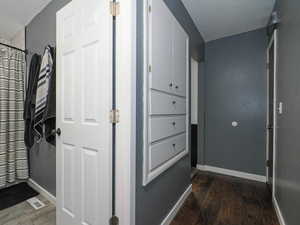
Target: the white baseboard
(278, 212)
(233, 173)
(42, 191)
(169, 218)
(201, 167)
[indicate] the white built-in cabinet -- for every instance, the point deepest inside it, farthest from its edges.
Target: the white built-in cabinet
(166, 86)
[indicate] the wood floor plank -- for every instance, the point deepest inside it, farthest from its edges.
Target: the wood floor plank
(224, 200)
(209, 207)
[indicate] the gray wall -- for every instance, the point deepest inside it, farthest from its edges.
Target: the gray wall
(201, 114)
(235, 70)
(288, 148)
(40, 32)
(155, 201)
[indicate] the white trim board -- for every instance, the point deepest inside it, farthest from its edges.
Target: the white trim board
(169, 218)
(126, 103)
(273, 41)
(278, 211)
(233, 173)
(42, 191)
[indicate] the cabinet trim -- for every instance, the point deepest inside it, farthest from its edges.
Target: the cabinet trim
(148, 175)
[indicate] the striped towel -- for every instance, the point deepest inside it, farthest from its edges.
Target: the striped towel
(42, 91)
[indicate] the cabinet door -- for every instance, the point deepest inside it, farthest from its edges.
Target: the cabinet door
(180, 58)
(160, 46)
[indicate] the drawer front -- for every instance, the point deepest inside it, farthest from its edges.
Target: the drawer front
(166, 150)
(165, 127)
(163, 104)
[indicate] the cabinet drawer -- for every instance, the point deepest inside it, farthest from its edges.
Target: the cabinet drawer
(166, 126)
(166, 150)
(163, 104)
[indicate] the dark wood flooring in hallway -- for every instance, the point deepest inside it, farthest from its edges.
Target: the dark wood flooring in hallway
(224, 200)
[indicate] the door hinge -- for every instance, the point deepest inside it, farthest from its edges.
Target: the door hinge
(114, 8)
(114, 116)
(114, 220)
(150, 68)
(149, 8)
(268, 163)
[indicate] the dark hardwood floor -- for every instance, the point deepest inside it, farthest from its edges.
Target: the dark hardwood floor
(224, 200)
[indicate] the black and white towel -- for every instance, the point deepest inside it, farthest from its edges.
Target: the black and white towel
(50, 111)
(29, 109)
(42, 91)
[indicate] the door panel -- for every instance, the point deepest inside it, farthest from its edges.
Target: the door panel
(84, 100)
(161, 47)
(90, 188)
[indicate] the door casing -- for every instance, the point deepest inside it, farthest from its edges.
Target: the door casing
(274, 40)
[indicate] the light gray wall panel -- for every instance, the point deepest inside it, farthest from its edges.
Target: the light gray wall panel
(201, 113)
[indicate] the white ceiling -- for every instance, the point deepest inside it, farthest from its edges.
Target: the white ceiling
(16, 14)
(221, 18)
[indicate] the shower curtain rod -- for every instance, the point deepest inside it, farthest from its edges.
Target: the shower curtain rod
(18, 49)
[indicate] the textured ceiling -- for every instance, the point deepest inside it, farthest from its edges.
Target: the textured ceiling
(16, 14)
(221, 18)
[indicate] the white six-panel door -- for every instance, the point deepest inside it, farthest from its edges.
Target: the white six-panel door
(84, 96)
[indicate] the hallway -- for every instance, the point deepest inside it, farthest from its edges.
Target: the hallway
(224, 200)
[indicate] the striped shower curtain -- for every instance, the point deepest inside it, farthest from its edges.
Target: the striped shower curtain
(13, 154)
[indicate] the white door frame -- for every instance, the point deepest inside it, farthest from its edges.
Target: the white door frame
(274, 40)
(194, 95)
(126, 103)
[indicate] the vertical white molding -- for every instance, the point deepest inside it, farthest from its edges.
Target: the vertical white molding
(126, 103)
(194, 91)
